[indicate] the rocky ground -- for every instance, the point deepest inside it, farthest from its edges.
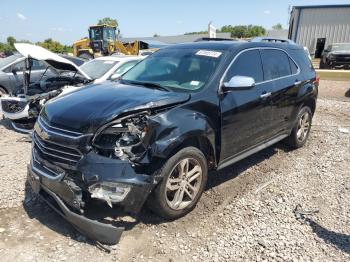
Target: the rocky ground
(278, 205)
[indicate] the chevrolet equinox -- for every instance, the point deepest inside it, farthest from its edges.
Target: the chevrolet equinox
(153, 135)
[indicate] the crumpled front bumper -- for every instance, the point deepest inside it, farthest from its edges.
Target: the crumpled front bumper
(64, 198)
(101, 232)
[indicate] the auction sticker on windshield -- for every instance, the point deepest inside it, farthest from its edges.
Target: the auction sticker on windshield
(209, 53)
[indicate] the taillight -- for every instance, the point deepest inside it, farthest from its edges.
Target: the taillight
(317, 81)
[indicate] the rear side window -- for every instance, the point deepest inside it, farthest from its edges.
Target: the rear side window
(275, 63)
(246, 64)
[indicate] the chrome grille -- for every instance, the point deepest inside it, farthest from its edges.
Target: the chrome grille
(43, 170)
(62, 132)
(55, 152)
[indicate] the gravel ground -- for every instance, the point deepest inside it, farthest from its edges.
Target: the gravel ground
(277, 205)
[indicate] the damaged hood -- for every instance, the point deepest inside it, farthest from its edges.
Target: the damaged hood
(89, 108)
(54, 60)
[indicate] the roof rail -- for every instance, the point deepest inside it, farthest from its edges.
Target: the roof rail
(273, 40)
(213, 39)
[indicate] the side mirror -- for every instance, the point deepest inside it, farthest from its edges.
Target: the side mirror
(239, 83)
(115, 77)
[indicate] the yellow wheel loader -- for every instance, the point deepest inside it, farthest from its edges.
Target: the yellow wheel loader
(102, 41)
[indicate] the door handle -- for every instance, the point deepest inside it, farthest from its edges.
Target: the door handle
(265, 95)
(297, 83)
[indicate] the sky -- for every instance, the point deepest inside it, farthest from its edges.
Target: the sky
(68, 20)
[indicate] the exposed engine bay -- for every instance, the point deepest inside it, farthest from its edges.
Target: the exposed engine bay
(59, 77)
(23, 108)
(124, 139)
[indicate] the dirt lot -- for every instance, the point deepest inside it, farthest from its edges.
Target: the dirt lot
(246, 214)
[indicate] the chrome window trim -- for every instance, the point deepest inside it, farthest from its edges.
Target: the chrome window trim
(259, 48)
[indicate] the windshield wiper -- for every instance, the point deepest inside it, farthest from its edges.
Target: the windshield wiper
(146, 84)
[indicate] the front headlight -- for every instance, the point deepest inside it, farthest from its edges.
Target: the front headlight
(110, 192)
(124, 139)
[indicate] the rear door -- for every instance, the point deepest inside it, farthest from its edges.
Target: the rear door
(245, 114)
(281, 73)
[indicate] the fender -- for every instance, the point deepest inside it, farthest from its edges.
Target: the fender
(307, 92)
(173, 127)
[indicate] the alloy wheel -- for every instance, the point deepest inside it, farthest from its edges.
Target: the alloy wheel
(304, 123)
(183, 184)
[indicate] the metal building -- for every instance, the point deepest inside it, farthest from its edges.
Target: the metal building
(318, 26)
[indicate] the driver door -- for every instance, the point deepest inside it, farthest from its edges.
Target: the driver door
(245, 114)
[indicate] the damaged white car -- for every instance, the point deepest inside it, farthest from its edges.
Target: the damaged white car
(24, 107)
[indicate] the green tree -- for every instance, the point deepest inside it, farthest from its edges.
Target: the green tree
(243, 31)
(11, 41)
(55, 46)
(277, 26)
(196, 33)
(108, 21)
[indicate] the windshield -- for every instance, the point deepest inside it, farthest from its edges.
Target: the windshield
(8, 60)
(186, 69)
(97, 68)
(341, 47)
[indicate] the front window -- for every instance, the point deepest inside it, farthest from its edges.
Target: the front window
(97, 68)
(182, 69)
(109, 34)
(341, 47)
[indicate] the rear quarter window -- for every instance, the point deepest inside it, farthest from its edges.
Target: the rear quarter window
(293, 67)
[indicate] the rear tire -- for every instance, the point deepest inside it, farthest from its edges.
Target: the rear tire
(184, 179)
(301, 130)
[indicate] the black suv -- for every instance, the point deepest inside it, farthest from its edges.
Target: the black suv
(154, 135)
(336, 55)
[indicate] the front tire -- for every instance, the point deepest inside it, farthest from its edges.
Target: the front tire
(184, 179)
(2, 92)
(301, 130)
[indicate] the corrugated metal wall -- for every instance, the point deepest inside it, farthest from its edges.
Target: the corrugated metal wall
(330, 23)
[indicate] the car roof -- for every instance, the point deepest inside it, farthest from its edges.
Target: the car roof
(119, 58)
(231, 45)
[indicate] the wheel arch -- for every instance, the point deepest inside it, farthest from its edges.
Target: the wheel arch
(4, 88)
(311, 103)
(197, 139)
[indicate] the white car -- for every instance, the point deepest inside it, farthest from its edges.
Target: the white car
(109, 67)
(23, 107)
